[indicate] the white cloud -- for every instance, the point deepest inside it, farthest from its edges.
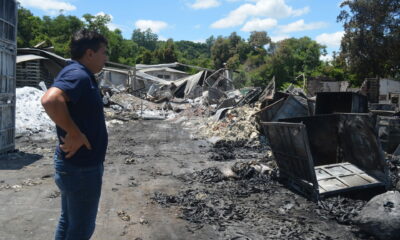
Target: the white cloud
(261, 8)
(197, 26)
(258, 24)
(162, 38)
(326, 58)
(49, 6)
(204, 4)
(199, 41)
(103, 14)
(299, 26)
(279, 38)
(330, 39)
(155, 26)
(113, 26)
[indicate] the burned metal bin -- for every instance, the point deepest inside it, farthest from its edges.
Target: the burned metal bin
(292, 106)
(340, 102)
(328, 154)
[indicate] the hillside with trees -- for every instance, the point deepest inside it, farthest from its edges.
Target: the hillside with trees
(369, 48)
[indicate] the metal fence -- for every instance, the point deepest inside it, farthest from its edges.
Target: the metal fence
(8, 52)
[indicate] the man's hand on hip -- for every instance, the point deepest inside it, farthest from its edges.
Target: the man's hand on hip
(72, 143)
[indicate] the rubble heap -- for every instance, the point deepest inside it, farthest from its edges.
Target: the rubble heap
(130, 102)
(126, 104)
(30, 116)
(239, 124)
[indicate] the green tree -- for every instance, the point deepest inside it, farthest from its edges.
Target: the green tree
(59, 31)
(209, 42)
(371, 43)
(259, 39)
(291, 58)
(220, 52)
(166, 53)
(146, 39)
(115, 44)
(234, 41)
(97, 23)
(29, 26)
(128, 53)
(231, 47)
(146, 56)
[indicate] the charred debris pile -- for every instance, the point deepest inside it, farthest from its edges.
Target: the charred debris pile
(330, 148)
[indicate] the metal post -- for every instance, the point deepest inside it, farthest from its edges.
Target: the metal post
(141, 108)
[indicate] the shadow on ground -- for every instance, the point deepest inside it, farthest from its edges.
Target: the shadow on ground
(17, 160)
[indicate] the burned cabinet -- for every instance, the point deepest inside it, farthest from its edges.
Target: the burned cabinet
(327, 154)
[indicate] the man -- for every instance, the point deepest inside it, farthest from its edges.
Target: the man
(74, 103)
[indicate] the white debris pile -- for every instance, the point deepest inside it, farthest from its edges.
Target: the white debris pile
(30, 116)
(192, 109)
(237, 125)
(132, 103)
(155, 114)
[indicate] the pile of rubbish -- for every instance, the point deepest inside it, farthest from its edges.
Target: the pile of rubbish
(30, 117)
(238, 124)
(124, 106)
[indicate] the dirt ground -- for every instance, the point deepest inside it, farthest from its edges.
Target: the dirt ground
(160, 182)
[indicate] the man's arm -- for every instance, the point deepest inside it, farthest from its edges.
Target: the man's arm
(54, 102)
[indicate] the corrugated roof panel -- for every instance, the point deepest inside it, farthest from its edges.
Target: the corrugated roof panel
(28, 57)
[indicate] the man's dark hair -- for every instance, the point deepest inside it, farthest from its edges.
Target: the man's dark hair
(83, 40)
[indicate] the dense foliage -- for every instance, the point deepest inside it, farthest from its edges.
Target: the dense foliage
(369, 48)
(371, 44)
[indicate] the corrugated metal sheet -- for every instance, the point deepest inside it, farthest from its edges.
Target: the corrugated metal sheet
(29, 57)
(152, 78)
(62, 62)
(145, 66)
(165, 69)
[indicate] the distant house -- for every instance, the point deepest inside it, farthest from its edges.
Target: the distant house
(389, 90)
(124, 77)
(165, 73)
(382, 90)
(115, 78)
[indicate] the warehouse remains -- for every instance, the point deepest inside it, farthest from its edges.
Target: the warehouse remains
(214, 162)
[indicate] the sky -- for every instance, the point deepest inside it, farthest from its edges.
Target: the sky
(197, 20)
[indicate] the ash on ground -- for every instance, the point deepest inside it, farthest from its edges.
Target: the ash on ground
(247, 192)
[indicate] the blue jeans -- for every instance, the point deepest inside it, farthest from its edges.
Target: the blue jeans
(80, 189)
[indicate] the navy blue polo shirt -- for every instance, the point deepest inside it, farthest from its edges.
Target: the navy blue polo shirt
(85, 106)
